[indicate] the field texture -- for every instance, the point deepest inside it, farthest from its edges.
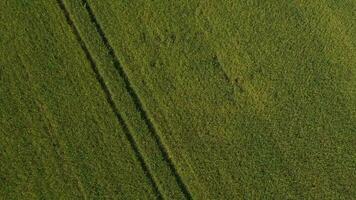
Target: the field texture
(138, 99)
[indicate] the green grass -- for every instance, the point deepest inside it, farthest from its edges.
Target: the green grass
(177, 99)
(59, 137)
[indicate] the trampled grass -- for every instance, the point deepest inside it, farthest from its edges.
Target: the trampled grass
(177, 99)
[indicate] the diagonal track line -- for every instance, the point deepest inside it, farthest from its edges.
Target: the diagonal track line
(136, 100)
(109, 99)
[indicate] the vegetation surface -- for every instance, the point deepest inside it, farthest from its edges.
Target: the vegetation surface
(122, 99)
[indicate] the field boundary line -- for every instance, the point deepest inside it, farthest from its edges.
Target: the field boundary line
(109, 98)
(136, 100)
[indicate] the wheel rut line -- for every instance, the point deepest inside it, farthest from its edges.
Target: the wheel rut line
(138, 103)
(109, 99)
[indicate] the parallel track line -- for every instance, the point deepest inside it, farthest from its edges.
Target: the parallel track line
(137, 100)
(109, 98)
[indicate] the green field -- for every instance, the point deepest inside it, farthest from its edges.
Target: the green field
(138, 99)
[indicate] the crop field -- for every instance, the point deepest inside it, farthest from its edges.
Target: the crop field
(138, 99)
